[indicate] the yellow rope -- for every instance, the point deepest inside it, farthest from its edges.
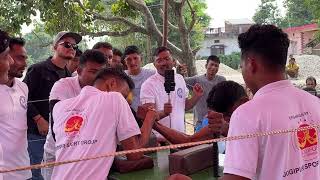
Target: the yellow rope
(173, 146)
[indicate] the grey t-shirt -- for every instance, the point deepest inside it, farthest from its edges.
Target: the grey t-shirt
(200, 110)
(138, 80)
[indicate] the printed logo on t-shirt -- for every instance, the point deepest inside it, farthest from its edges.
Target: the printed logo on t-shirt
(23, 102)
(179, 92)
(307, 141)
(305, 144)
(73, 125)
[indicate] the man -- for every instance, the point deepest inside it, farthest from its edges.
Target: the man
(40, 78)
(5, 62)
(85, 127)
(224, 98)
(14, 121)
(139, 75)
(106, 49)
(91, 61)
(115, 62)
(311, 82)
(73, 64)
(292, 69)
(207, 81)
(13, 111)
(153, 93)
(276, 105)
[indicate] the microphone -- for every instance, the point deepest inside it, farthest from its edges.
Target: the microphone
(169, 84)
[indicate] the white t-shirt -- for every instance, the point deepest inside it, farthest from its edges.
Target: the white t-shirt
(13, 129)
(65, 88)
(294, 156)
(88, 125)
(138, 80)
(1, 162)
(153, 91)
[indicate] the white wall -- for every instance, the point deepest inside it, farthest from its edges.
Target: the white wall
(231, 45)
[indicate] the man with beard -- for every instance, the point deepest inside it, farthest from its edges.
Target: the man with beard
(13, 130)
(207, 81)
(40, 78)
(171, 111)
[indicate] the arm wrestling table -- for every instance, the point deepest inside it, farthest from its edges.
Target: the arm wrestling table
(161, 170)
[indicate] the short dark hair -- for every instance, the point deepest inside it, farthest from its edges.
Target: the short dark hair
(224, 95)
(78, 52)
(99, 45)
(92, 56)
(160, 49)
(131, 50)
(4, 40)
(117, 52)
(106, 73)
(16, 41)
(268, 41)
(311, 78)
(213, 58)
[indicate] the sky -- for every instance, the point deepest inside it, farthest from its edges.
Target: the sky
(219, 10)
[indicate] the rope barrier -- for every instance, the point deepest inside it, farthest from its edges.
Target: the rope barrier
(173, 146)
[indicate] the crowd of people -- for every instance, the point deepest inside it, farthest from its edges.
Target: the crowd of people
(80, 104)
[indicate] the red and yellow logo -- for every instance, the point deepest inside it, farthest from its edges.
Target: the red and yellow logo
(307, 138)
(73, 124)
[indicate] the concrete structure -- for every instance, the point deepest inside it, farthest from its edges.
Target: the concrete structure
(223, 40)
(302, 39)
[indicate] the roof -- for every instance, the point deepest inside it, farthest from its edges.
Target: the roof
(306, 27)
(239, 21)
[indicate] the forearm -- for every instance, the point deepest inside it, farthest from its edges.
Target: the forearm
(175, 137)
(191, 102)
(146, 130)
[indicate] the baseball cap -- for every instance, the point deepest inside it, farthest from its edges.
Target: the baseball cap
(4, 41)
(77, 37)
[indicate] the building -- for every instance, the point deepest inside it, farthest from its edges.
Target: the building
(303, 39)
(223, 40)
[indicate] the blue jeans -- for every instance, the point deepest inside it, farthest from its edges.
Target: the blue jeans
(35, 149)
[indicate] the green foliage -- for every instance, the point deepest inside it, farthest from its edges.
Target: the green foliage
(232, 60)
(314, 7)
(15, 13)
(123, 9)
(298, 13)
(38, 45)
(267, 13)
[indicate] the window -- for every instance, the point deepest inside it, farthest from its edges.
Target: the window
(216, 41)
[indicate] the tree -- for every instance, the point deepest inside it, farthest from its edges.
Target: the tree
(121, 18)
(267, 13)
(298, 13)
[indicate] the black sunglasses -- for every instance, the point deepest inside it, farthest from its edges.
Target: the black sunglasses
(69, 45)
